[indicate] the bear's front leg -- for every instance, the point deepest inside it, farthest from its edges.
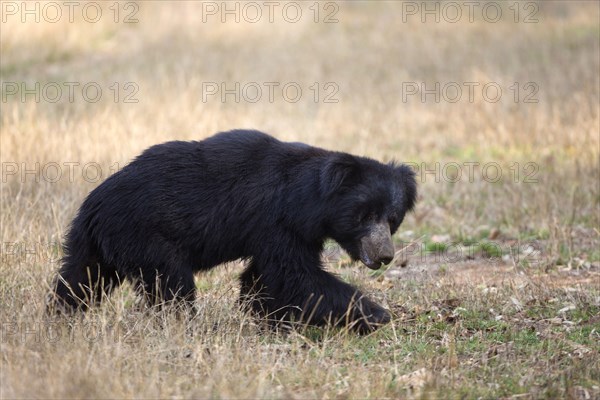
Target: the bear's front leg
(344, 305)
(310, 296)
(367, 315)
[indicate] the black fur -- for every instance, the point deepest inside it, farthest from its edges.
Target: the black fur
(183, 207)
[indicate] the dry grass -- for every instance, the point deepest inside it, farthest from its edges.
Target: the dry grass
(474, 325)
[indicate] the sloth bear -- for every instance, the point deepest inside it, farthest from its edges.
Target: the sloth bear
(183, 207)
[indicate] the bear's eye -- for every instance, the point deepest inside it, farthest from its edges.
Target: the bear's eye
(365, 217)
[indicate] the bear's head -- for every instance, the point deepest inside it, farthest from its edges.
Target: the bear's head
(366, 203)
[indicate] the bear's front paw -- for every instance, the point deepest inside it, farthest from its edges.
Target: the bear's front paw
(369, 317)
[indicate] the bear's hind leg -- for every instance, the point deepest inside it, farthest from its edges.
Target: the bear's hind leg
(81, 285)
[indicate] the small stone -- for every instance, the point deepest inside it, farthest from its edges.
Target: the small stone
(393, 273)
(570, 307)
(494, 233)
(440, 238)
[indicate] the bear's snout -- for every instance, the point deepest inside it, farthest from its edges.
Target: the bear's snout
(377, 248)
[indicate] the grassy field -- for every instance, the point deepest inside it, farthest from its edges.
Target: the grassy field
(495, 289)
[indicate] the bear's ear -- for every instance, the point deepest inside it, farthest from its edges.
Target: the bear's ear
(340, 170)
(408, 182)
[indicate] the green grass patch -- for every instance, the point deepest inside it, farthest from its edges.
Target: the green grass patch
(434, 247)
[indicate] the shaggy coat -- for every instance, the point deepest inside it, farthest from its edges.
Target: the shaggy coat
(184, 207)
